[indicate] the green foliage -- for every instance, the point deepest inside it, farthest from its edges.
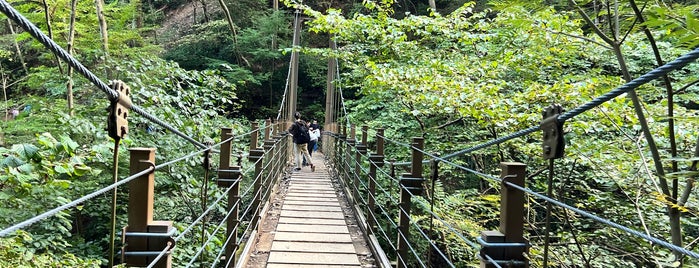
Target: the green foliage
(13, 253)
(470, 76)
(676, 22)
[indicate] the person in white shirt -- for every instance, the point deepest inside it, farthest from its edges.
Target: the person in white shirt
(315, 134)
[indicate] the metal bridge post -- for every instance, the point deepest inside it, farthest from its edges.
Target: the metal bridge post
(268, 147)
(255, 156)
(280, 151)
(376, 161)
(144, 238)
(351, 178)
(410, 184)
(508, 244)
(361, 150)
(229, 176)
(341, 153)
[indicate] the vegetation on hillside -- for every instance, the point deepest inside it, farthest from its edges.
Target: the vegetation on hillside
(457, 75)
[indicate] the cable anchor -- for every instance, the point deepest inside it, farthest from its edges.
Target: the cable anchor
(554, 142)
(117, 124)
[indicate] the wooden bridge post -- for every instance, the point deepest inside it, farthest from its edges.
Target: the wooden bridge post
(511, 232)
(376, 161)
(143, 234)
(410, 184)
(268, 128)
(255, 156)
(230, 176)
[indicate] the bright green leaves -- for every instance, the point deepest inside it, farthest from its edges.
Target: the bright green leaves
(676, 23)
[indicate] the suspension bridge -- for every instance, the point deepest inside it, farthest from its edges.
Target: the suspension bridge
(345, 214)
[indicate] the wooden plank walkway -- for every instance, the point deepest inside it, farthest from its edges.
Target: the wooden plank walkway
(311, 230)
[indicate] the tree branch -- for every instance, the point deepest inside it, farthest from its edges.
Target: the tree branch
(592, 24)
(460, 119)
(580, 37)
(678, 91)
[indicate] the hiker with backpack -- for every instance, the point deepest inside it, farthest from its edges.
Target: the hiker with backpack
(301, 137)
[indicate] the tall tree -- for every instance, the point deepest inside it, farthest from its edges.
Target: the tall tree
(99, 8)
(71, 45)
(614, 40)
(20, 55)
(47, 16)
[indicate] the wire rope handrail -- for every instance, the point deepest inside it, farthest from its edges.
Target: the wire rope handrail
(30, 221)
(415, 224)
(160, 256)
(432, 244)
(224, 220)
(421, 202)
(96, 193)
(582, 212)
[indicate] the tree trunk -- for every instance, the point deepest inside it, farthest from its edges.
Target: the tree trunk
(204, 10)
(99, 7)
(71, 39)
(4, 92)
(138, 16)
(229, 19)
(19, 51)
(231, 25)
(433, 6)
(194, 13)
(673, 214)
(47, 16)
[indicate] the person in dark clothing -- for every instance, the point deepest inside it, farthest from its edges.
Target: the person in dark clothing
(301, 138)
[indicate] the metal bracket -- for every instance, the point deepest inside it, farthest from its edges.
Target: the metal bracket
(377, 159)
(413, 185)
(117, 124)
(554, 143)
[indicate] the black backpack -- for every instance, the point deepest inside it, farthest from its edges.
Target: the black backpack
(302, 131)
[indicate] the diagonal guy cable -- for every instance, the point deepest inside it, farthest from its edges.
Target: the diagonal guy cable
(13, 14)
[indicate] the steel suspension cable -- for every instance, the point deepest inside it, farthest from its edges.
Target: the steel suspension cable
(596, 218)
(115, 178)
(607, 222)
(76, 202)
(288, 74)
(218, 227)
(364, 201)
(631, 85)
(112, 95)
(213, 205)
(160, 256)
(342, 99)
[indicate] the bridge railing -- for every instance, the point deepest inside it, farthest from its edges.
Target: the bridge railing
(227, 223)
(384, 199)
(246, 186)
